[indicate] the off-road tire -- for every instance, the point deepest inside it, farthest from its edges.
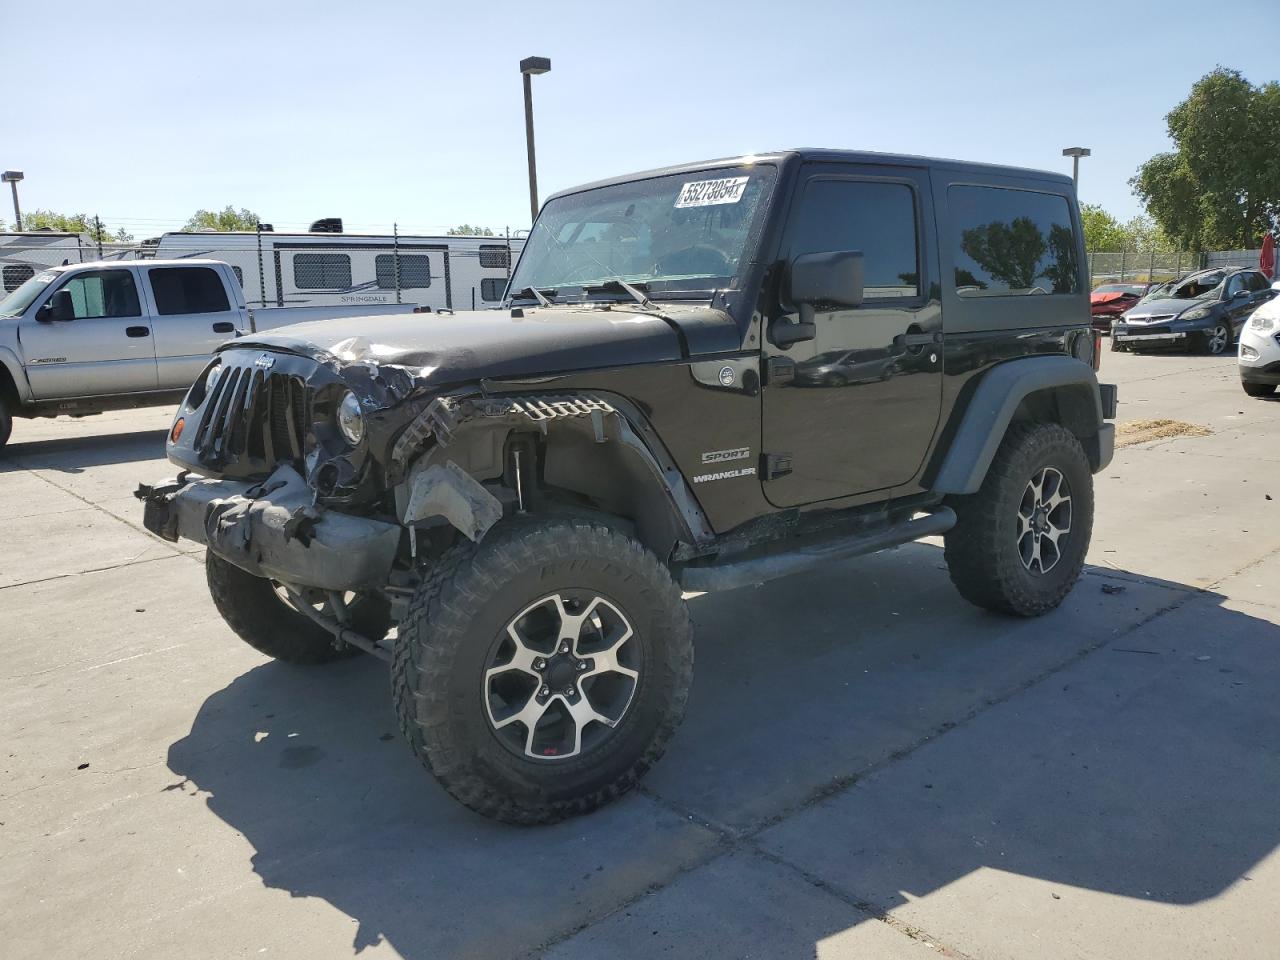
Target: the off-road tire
(981, 549)
(258, 615)
(6, 423)
(1258, 389)
(443, 645)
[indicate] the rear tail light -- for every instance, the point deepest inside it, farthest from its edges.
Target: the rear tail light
(1097, 351)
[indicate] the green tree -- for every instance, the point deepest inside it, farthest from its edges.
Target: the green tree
(1220, 186)
(1010, 252)
(73, 223)
(228, 218)
(1102, 231)
(467, 230)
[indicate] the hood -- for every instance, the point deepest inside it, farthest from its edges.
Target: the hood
(1096, 298)
(1170, 306)
(449, 348)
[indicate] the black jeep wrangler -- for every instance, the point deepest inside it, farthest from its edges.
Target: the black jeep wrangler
(701, 378)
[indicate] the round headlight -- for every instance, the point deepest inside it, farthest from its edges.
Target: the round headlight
(350, 419)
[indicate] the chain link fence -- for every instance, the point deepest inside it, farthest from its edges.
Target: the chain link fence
(294, 269)
(1141, 266)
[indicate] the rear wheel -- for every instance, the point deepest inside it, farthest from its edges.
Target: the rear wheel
(263, 616)
(1019, 543)
(1258, 389)
(540, 673)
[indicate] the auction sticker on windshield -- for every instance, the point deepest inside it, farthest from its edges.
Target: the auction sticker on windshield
(706, 193)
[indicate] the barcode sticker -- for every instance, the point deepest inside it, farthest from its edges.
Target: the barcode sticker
(706, 193)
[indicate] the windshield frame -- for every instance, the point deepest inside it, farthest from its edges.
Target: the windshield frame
(654, 288)
(7, 311)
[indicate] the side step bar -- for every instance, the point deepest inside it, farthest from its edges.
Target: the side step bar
(743, 573)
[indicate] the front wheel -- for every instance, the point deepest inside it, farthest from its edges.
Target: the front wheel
(263, 616)
(1258, 389)
(1018, 545)
(540, 673)
(1218, 340)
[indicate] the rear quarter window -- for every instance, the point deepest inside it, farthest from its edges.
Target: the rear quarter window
(1008, 242)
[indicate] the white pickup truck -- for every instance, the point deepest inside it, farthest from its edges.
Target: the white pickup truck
(108, 335)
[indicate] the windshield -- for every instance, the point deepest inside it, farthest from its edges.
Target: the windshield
(1207, 286)
(675, 234)
(20, 299)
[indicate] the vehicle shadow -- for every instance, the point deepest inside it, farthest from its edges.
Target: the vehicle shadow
(77, 454)
(855, 670)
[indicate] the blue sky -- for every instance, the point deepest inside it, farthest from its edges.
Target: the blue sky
(412, 112)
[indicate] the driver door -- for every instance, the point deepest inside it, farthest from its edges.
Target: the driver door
(106, 348)
(855, 409)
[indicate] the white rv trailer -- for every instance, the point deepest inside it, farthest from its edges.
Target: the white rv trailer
(293, 269)
(23, 255)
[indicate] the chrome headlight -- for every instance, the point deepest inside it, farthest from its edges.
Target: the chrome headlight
(202, 388)
(1196, 313)
(1259, 322)
(350, 418)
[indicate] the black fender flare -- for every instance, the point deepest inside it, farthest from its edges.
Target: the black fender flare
(995, 402)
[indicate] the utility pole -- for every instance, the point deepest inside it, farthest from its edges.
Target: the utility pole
(530, 67)
(1075, 153)
(11, 177)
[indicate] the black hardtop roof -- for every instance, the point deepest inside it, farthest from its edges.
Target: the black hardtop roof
(833, 156)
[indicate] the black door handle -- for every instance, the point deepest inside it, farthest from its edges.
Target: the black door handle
(224, 326)
(137, 331)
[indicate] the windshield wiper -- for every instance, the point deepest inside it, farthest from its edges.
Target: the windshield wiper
(618, 284)
(536, 294)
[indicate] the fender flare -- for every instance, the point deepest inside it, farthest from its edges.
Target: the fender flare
(17, 373)
(993, 404)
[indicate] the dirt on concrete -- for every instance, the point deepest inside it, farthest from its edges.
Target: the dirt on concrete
(1131, 432)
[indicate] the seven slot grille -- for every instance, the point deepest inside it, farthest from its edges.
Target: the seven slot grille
(253, 413)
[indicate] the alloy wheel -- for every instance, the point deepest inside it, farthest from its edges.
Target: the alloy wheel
(1044, 518)
(562, 676)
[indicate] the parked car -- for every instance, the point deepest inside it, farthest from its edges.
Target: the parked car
(1109, 301)
(524, 493)
(1259, 359)
(108, 335)
(1202, 311)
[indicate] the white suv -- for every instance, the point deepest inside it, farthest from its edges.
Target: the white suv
(1260, 351)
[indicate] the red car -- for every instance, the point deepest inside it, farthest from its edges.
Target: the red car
(1109, 301)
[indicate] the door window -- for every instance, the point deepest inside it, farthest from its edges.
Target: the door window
(322, 271)
(491, 289)
(181, 290)
(876, 218)
(1010, 243)
(103, 293)
(1235, 285)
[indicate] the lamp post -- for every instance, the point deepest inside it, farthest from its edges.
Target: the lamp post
(11, 177)
(529, 67)
(1075, 153)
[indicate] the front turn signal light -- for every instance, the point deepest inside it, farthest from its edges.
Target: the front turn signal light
(176, 432)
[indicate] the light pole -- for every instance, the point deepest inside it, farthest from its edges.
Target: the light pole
(11, 177)
(530, 66)
(1075, 153)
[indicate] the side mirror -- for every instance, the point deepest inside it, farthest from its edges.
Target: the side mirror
(832, 279)
(1240, 294)
(57, 307)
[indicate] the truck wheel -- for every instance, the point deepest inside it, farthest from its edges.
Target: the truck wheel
(540, 673)
(266, 619)
(1019, 543)
(1258, 389)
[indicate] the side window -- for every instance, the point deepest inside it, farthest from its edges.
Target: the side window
(415, 271)
(321, 271)
(1011, 243)
(1257, 282)
(877, 218)
(491, 289)
(15, 275)
(103, 293)
(1235, 285)
(181, 290)
(494, 256)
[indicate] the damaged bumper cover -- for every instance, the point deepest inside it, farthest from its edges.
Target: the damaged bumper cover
(274, 530)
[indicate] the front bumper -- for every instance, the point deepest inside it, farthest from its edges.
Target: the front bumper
(273, 529)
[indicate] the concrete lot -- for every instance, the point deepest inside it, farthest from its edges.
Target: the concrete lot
(869, 768)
